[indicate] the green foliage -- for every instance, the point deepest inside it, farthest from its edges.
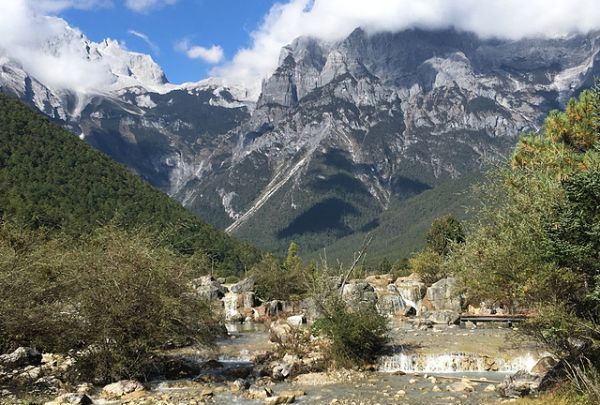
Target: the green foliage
(115, 295)
(51, 179)
(429, 265)
(357, 334)
(280, 281)
(536, 245)
(444, 232)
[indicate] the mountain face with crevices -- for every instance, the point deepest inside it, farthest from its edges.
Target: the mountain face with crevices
(371, 134)
(345, 132)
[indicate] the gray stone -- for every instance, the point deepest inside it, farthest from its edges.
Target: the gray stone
(296, 320)
(243, 286)
(443, 295)
(411, 290)
(21, 357)
(209, 288)
(255, 392)
(239, 385)
(443, 317)
(280, 331)
(120, 388)
(520, 384)
(544, 365)
(359, 292)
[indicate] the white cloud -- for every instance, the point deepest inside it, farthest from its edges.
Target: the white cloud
(211, 55)
(336, 19)
(155, 49)
(142, 6)
(48, 48)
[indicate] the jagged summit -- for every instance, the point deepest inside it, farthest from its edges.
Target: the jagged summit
(344, 135)
(343, 132)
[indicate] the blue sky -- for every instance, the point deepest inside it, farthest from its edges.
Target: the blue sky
(225, 23)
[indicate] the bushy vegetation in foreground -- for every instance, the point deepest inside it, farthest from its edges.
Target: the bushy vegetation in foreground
(112, 299)
(536, 245)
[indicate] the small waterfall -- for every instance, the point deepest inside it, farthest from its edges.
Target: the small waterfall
(453, 363)
(230, 302)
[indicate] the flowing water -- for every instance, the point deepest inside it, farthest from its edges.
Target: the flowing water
(433, 360)
(454, 363)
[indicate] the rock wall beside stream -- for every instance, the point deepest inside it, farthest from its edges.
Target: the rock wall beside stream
(440, 303)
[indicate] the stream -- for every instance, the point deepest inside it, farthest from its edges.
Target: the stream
(432, 359)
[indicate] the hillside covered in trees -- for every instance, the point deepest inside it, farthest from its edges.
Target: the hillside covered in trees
(50, 179)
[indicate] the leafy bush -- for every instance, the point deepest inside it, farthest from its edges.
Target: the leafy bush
(429, 265)
(444, 232)
(536, 245)
(280, 281)
(357, 334)
(115, 296)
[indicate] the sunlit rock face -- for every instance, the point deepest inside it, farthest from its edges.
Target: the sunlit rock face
(345, 131)
(342, 133)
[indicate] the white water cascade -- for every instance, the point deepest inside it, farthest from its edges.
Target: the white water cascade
(230, 302)
(453, 363)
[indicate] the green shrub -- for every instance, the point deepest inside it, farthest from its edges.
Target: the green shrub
(444, 232)
(232, 279)
(357, 334)
(115, 296)
(429, 265)
(280, 281)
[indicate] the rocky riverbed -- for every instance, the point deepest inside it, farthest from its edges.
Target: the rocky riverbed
(431, 358)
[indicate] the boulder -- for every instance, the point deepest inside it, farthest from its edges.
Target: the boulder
(209, 288)
(282, 370)
(357, 292)
(28, 374)
(255, 392)
(120, 388)
(411, 290)
(520, 384)
(544, 366)
(71, 399)
(48, 384)
(243, 286)
(239, 385)
(22, 357)
(393, 305)
(296, 320)
(460, 386)
(490, 388)
(443, 317)
(280, 331)
(443, 295)
(380, 281)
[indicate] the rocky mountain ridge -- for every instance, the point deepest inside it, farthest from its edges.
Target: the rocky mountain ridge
(342, 131)
(342, 134)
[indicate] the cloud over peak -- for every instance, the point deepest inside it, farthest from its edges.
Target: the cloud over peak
(332, 20)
